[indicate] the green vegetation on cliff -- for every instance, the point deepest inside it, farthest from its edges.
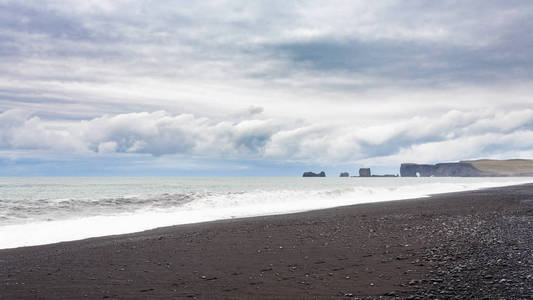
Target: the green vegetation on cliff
(511, 167)
(470, 168)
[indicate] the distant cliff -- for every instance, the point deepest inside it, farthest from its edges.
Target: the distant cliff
(475, 168)
(440, 170)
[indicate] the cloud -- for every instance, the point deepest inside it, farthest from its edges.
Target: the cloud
(156, 133)
(254, 110)
(455, 135)
(346, 81)
(439, 43)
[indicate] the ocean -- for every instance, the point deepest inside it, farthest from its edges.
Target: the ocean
(36, 211)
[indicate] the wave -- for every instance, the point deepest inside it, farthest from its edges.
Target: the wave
(85, 218)
(17, 211)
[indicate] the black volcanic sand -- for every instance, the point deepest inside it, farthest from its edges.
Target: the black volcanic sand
(461, 245)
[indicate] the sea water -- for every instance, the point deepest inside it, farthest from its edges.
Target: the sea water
(35, 211)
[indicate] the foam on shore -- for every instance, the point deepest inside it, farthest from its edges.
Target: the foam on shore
(218, 206)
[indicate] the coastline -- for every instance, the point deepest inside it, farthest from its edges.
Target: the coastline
(417, 247)
(92, 214)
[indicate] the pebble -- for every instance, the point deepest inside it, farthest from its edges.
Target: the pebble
(485, 247)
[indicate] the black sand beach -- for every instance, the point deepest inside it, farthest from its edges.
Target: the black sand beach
(462, 245)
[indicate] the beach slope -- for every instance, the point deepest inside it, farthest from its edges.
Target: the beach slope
(469, 244)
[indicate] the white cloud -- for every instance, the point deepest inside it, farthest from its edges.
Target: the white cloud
(107, 147)
(453, 136)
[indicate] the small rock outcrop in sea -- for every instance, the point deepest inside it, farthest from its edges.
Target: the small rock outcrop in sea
(364, 172)
(312, 174)
(344, 174)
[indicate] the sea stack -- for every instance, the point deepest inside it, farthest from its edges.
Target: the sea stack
(312, 174)
(364, 172)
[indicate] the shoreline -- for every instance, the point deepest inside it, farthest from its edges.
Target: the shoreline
(38, 233)
(400, 248)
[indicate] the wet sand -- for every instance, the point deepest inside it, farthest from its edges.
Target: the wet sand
(460, 245)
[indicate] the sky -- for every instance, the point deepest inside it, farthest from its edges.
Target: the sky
(261, 88)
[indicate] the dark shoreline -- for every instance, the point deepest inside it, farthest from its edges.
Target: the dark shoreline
(468, 244)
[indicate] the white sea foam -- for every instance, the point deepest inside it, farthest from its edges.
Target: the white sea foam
(223, 199)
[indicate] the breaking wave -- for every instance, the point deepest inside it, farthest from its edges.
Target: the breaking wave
(37, 221)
